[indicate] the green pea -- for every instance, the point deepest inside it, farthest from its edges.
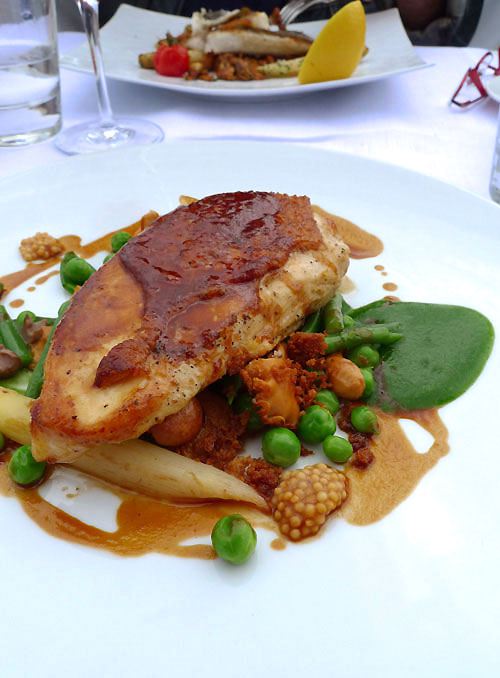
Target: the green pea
(280, 447)
(315, 424)
(337, 449)
(329, 400)
(108, 257)
(119, 240)
(364, 419)
(243, 403)
(369, 381)
(78, 271)
(2, 441)
(364, 356)
(234, 539)
(23, 469)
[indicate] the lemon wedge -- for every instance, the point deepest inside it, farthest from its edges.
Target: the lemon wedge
(338, 49)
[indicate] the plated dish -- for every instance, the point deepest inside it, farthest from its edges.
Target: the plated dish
(420, 276)
(206, 326)
(134, 31)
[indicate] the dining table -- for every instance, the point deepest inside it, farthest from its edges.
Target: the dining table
(404, 120)
(409, 596)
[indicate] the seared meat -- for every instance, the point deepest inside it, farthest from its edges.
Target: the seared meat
(201, 292)
(258, 42)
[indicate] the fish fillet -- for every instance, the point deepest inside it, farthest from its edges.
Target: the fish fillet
(257, 42)
(201, 292)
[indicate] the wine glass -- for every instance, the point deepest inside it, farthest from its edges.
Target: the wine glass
(108, 131)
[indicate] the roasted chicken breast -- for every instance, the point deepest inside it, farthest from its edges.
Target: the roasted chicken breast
(200, 293)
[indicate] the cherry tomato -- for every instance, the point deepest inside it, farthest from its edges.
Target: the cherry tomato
(173, 60)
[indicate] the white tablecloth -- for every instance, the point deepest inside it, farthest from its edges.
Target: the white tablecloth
(404, 120)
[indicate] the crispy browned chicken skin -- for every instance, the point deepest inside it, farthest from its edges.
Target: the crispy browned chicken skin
(201, 292)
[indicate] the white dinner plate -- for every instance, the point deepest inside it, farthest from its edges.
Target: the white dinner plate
(132, 31)
(493, 88)
(415, 594)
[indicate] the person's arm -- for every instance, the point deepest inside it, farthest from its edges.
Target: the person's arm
(417, 14)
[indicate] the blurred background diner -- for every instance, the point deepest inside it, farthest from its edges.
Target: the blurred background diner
(428, 22)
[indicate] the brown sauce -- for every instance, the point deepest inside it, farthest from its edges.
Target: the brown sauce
(17, 303)
(43, 279)
(397, 469)
(201, 265)
(74, 243)
(363, 245)
(390, 286)
(31, 288)
(145, 525)
(278, 544)
(13, 280)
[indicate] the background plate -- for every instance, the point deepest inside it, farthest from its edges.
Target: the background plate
(132, 31)
(413, 595)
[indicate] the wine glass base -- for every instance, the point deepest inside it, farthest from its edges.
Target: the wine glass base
(96, 136)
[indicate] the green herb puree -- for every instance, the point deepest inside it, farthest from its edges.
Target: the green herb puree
(442, 353)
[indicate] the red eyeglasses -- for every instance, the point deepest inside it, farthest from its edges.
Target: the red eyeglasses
(471, 89)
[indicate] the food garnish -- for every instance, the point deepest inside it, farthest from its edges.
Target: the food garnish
(234, 539)
(40, 246)
(246, 45)
(250, 337)
(305, 498)
(338, 49)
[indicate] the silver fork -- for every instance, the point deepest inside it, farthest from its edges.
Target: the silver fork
(294, 8)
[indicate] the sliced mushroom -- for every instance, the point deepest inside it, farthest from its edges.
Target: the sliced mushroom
(9, 362)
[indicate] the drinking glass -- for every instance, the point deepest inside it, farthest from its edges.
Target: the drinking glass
(108, 131)
(29, 72)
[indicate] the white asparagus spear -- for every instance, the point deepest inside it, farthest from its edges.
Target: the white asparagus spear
(137, 465)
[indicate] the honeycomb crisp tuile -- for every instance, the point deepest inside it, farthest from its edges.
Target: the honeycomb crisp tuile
(305, 498)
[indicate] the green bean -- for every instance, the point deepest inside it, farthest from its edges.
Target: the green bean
(36, 381)
(19, 382)
(312, 323)
(346, 308)
(119, 240)
(11, 338)
(364, 334)
(333, 318)
(367, 307)
(22, 317)
(3, 313)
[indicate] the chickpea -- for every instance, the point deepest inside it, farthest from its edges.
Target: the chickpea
(181, 427)
(345, 377)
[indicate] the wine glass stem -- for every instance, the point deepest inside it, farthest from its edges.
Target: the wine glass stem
(89, 9)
